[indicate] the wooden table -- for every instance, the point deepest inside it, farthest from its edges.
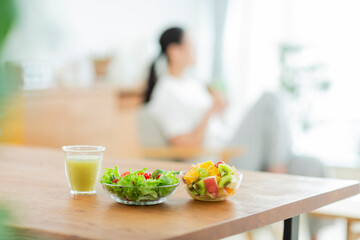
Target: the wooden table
(32, 181)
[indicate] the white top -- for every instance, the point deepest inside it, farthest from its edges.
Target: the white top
(179, 106)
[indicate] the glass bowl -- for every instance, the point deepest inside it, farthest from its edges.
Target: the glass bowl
(134, 195)
(222, 194)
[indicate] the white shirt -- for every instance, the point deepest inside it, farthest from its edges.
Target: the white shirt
(179, 106)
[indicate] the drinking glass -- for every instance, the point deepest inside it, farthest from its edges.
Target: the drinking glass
(82, 167)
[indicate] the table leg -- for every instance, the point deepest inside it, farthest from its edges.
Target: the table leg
(348, 229)
(291, 228)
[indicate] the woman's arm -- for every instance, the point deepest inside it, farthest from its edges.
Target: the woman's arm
(278, 169)
(196, 137)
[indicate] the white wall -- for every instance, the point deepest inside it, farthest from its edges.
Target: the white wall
(72, 31)
(253, 31)
(329, 32)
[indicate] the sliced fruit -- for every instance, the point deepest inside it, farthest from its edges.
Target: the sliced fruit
(213, 171)
(222, 193)
(191, 176)
(218, 178)
(192, 173)
(192, 190)
(225, 169)
(225, 181)
(203, 173)
(208, 195)
(200, 187)
(211, 185)
(206, 165)
(230, 191)
(232, 184)
(219, 162)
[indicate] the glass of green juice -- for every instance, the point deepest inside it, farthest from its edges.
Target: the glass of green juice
(82, 167)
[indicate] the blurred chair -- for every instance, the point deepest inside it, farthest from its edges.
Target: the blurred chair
(154, 144)
(348, 209)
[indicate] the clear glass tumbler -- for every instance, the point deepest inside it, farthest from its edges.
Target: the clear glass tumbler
(82, 167)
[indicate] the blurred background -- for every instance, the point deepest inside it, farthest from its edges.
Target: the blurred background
(76, 70)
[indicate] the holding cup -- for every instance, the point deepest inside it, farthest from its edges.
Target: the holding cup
(82, 167)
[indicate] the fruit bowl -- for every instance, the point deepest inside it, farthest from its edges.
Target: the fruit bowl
(211, 182)
(133, 195)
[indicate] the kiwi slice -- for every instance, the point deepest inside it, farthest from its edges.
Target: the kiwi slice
(192, 190)
(200, 187)
(225, 180)
(225, 169)
(203, 173)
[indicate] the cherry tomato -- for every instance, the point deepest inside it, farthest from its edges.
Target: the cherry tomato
(115, 180)
(125, 174)
(219, 162)
(147, 175)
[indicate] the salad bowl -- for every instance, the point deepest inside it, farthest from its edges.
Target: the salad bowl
(211, 182)
(139, 187)
(132, 195)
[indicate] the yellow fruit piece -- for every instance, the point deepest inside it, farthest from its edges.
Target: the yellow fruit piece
(217, 179)
(188, 180)
(230, 191)
(191, 175)
(213, 171)
(207, 164)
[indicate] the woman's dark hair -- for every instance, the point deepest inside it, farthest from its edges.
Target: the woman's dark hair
(171, 35)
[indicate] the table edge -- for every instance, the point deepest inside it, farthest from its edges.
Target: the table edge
(228, 227)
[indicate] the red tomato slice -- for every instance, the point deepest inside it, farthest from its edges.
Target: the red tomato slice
(125, 174)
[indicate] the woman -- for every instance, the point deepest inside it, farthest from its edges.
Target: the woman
(189, 113)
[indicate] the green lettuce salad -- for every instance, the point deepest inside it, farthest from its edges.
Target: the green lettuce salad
(139, 185)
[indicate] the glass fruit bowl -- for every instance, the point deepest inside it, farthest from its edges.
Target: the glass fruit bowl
(217, 187)
(134, 195)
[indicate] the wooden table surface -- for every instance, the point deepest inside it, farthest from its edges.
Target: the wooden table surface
(33, 183)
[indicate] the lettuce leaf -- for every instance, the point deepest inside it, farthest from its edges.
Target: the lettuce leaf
(110, 174)
(145, 189)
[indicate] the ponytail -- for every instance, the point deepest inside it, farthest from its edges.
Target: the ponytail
(170, 36)
(150, 82)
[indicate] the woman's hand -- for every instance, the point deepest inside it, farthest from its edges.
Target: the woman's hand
(219, 102)
(196, 137)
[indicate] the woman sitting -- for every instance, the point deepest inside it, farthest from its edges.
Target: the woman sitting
(189, 113)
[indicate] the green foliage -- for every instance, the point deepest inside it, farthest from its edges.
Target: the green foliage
(294, 79)
(6, 232)
(7, 18)
(7, 15)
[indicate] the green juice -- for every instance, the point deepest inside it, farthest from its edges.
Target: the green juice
(83, 172)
